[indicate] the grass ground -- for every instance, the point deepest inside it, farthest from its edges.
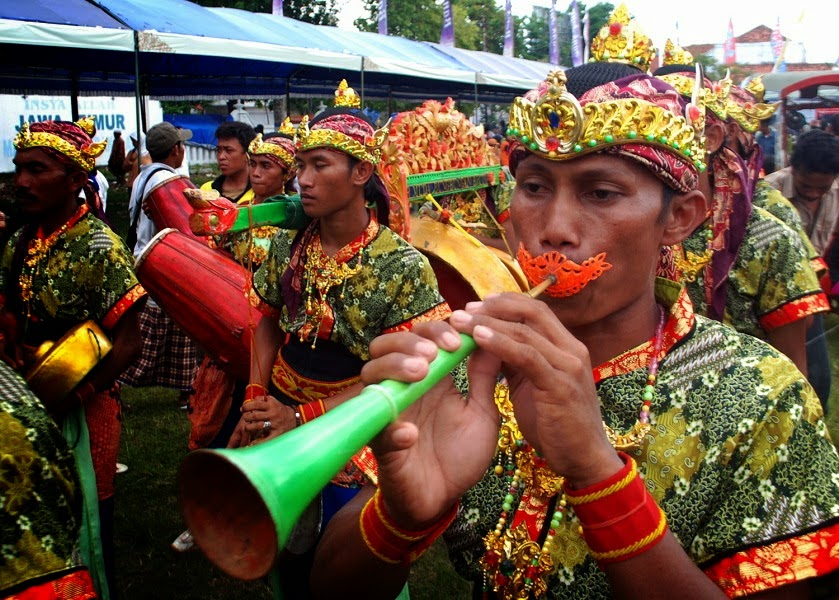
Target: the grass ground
(154, 442)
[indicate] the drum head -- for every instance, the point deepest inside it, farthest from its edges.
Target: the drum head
(466, 270)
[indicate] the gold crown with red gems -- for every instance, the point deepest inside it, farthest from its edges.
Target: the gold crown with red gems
(676, 55)
(622, 40)
(557, 127)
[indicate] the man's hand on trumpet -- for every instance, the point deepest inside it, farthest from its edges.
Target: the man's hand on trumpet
(263, 418)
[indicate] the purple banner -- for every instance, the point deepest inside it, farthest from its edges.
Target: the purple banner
(382, 17)
(576, 35)
(277, 7)
(447, 35)
(586, 35)
(553, 36)
(509, 39)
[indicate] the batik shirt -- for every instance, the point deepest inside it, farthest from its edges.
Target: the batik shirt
(773, 202)
(40, 494)
(738, 457)
(248, 248)
(771, 282)
(86, 273)
(394, 289)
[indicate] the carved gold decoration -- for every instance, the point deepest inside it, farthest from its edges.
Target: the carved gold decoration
(622, 40)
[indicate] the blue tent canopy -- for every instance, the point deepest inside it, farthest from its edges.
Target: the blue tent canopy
(182, 50)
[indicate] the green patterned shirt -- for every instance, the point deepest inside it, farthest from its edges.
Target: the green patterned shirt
(40, 494)
(738, 456)
(773, 202)
(394, 288)
(771, 282)
(87, 273)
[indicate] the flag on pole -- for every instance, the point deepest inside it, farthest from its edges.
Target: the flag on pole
(447, 35)
(586, 35)
(553, 35)
(509, 40)
(382, 17)
(277, 7)
(778, 46)
(576, 35)
(729, 48)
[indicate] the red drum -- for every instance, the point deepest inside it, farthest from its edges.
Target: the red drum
(167, 206)
(205, 293)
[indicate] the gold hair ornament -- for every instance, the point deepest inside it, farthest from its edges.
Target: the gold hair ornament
(558, 128)
(345, 96)
(621, 40)
(257, 146)
(715, 98)
(287, 128)
(748, 115)
(676, 55)
(84, 157)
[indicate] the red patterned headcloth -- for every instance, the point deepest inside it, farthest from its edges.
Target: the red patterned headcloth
(639, 117)
(68, 142)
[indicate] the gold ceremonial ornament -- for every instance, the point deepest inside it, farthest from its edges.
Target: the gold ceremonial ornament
(622, 40)
(370, 150)
(85, 156)
(558, 128)
(257, 146)
(715, 95)
(345, 96)
(748, 113)
(287, 128)
(676, 55)
(62, 365)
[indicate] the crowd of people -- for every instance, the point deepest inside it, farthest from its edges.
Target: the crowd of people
(652, 425)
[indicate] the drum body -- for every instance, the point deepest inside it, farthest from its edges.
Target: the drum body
(205, 293)
(62, 365)
(167, 206)
(466, 270)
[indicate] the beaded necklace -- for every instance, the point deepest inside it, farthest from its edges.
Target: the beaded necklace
(37, 250)
(515, 566)
(322, 273)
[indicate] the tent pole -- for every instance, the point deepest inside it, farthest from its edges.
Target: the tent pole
(74, 95)
(477, 106)
(362, 83)
(140, 129)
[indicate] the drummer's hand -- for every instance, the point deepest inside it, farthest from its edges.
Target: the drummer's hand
(239, 438)
(267, 417)
(442, 444)
(551, 384)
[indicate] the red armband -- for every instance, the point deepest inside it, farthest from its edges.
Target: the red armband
(391, 543)
(619, 517)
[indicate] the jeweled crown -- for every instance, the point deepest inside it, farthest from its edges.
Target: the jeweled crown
(282, 148)
(557, 127)
(621, 40)
(84, 157)
(746, 107)
(345, 96)
(676, 55)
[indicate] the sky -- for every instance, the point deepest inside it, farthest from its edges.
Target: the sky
(809, 21)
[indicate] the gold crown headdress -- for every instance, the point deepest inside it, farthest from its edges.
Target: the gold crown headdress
(346, 97)
(344, 130)
(84, 156)
(715, 94)
(287, 128)
(557, 127)
(676, 55)
(282, 148)
(746, 107)
(621, 40)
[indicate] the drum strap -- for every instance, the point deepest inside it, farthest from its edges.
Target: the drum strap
(131, 238)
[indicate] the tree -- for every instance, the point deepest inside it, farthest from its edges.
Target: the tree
(413, 19)
(318, 12)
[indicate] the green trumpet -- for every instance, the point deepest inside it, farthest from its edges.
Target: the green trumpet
(241, 504)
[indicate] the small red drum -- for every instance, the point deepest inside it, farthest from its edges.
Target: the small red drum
(205, 293)
(167, 206)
